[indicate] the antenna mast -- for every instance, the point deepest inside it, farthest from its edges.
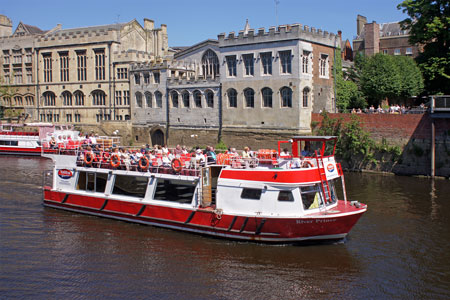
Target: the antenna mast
(276, 10)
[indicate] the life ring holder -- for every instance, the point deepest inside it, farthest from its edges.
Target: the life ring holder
(144, 163)
(176, 165)
(90, 160)
(114, 160)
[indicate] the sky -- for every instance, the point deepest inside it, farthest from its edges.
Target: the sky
(192, 21)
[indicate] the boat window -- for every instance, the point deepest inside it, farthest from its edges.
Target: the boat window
(174, 190)
(134, 186)
(9, 143)
(92, 182)
(254, 194)
(285, 196)
(311, 196)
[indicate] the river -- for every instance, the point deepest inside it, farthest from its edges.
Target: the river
(398, 250)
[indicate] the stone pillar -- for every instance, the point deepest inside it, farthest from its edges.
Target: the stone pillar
(372, 38)
(360, 22)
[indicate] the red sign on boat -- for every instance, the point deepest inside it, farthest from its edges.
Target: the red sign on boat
(65, 173)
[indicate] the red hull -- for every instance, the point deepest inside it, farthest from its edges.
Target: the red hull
(334, 225)
(20, 151)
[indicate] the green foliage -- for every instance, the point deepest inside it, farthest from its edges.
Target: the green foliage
(429, 25)
(221, 146)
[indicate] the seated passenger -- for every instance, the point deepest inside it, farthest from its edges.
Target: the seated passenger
(285, 153)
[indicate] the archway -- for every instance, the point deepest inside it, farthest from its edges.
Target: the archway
(157, 137)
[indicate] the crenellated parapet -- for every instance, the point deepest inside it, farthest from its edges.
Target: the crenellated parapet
(79, 35)
(284, 32)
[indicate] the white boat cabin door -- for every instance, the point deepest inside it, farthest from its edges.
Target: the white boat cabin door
(210, 174)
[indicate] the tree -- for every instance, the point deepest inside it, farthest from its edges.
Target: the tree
(6, 92)
(347, 92)
(380, 78)
(429, 25)
(410, 75)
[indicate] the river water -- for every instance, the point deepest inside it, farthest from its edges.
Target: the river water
(398, 250)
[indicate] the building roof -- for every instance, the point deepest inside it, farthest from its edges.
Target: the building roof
(107, 27)
(387, 29)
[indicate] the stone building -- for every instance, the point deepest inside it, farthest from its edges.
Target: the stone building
(387, 38)
(80, 75)
(246, 89)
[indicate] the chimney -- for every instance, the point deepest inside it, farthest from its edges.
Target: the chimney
(5, 26)
(149, 24)
(372, 38)
(360, 22)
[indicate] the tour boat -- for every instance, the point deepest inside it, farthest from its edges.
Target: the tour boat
(27, 138)
(265, 198)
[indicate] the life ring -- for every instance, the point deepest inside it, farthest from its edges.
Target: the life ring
(176, 165)
(144, 163)
(88, 158)
(307, 164)
(115, 160)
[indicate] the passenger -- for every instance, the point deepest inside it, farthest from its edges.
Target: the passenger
(164, 149)
(165, 160)
(199, 157)
(53, 144)
(210, 155)
(285, 153)
(178, 151)
(246, 153)
(185, 152)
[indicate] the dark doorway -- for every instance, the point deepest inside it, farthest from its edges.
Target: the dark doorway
(157, 137)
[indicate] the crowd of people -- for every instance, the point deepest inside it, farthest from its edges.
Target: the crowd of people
(393, 109)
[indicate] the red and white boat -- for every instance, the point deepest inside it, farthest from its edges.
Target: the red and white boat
(266, 198)
(27, 138)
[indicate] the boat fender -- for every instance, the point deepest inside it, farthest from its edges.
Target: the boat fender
(176, 165)
(144, 163)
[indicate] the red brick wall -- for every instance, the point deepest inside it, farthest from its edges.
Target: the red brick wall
(396, 127)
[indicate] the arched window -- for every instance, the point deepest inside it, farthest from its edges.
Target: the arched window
(18, 100)
(174, 96)
(267, 97)
(209, 99)
(249, 96)
(79, 98)
(305, 97)
(185, 96)
(49, 99)
(158, 98)
(210, 63)
(286, 97)
(232, 98)
(98, 98)
(148, 99)
(29, 100)
(138, 97)
(67, 98)
(198, 99)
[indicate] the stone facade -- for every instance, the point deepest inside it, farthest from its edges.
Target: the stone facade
(258, 85)
(387, 38)
(80, 75)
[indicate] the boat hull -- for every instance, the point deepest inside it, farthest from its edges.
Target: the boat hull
(332, 225)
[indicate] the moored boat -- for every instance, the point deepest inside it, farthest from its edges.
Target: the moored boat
(266, 198)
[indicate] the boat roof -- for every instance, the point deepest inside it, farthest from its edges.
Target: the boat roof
(315, 137)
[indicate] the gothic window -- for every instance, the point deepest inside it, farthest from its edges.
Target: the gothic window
(249, 96)
(323, 65)
(126, 97)
(158, 98)
(47, 57)
(267, 97)
(286, 97)
(232, 98)
(231, 65)
(64, 66)
(248, 64)
(305, 97)
(209, 99)
(67, 98)
(49, 99)
(306, 62)
(197, 98)
(185, 99)
(99, 64)
(266, 62)
(118, 97)
(174, 96)
(286, 62)
(210, 63)
(148, 99)
(98, 98)
(122, 73)
(29, 100)
(138, 96)
(79, 98)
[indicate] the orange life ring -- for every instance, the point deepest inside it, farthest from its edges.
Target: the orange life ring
(144, 163)
(88, 161)
(176, 165)
(307, 164)
(115, 160)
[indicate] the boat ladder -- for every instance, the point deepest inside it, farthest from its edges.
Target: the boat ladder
(323, 179)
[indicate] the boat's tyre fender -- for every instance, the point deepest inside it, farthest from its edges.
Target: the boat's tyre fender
(89, 158)
(144, 163)
(115, 160)
(176, 165)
